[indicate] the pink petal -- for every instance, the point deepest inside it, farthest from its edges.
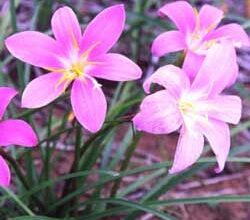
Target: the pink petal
(182, 14)
(4, 173)
(218, 135)
(6, 94)
(115, 67)
(35, 48)
(225, 108)
(158, 114)
(167, 42)
(192, 64)
(233, 32)
(104, 30)
(42, 90)
(219, 70)
(171, 77)
(189, 149)
(210, 17)
(88, 103)
(17, 132)
(66, 28)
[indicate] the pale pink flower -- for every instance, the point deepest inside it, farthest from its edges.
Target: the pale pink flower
(12, 131)
(75, 57)
(196, 33)
(197, 108)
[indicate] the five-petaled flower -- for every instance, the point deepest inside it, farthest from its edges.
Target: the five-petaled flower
(75, 57)
(12, 131)
(197, 108)
(196, 33)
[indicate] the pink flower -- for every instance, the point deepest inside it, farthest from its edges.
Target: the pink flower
(12, 131)
(75, 57)
(197, 108)
(196, 33)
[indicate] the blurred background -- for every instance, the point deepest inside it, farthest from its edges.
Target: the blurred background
(142, 26)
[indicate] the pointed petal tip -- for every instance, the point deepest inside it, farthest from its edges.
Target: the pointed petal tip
(218, 170)
(26, 104)
(175, 170)
(93, 129)
(119, 8)
(11, 91)
(6, 95)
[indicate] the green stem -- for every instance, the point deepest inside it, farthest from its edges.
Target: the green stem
(20, 176)
(47, 156)
(18, 201)
(78, 142)
(14, 27)
(125, 163)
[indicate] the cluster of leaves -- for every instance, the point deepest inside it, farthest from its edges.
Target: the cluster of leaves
(92, 187)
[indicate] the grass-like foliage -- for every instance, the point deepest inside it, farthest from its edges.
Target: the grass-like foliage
(75, 174)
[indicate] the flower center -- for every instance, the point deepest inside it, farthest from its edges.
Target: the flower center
(75, 67)
(76, 70)
(186, 106)
(196, 39)
(192, 110)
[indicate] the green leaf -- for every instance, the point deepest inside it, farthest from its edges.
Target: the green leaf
(18, 201)
(36, 218)
(134, 205)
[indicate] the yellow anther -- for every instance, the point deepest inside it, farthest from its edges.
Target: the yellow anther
(186, 106)
(77, 68)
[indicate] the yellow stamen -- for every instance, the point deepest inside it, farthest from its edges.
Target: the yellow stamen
(77, 68)
(191, 110)
(186, 106)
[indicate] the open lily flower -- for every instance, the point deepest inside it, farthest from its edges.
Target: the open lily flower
(197, 108)
(75, 57)
(196, 33)
(12, 131)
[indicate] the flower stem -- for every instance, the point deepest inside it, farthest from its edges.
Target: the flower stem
(14, 27)
(125, 162)
(20, 176)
